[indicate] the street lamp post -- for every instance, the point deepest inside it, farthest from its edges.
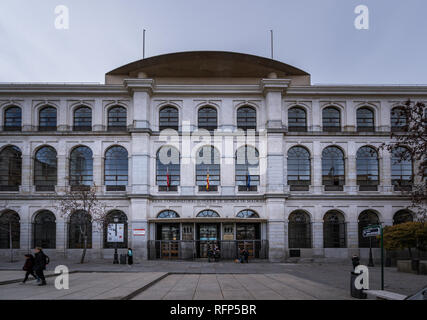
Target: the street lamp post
(116, 255)
(371, 260)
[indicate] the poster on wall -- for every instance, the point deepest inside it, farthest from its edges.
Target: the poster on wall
(139, 232)
(115, 232)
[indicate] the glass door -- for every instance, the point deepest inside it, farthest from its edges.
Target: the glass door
(208, 235)
(169, 235)
(246, 236)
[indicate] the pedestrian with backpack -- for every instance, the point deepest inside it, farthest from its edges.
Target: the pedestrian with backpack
(40, 262)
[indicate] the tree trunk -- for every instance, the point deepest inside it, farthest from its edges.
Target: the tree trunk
(410, 253)
(82, 260)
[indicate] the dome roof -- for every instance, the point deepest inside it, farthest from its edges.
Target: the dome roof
(207, 64)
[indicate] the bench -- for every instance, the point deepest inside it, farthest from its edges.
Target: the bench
(384, 295)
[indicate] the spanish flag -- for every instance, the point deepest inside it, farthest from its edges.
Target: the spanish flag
(207, 181)
(167, 178)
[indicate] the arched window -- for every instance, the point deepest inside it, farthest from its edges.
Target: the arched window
(403, 216)
(246, 118)
(207, 214)
(334, 230)
(169, 118)
(10, 168)
(116, 169)
(13, 119)
(208, 169)
(247, 214)
(297, 120)
(367, 169)
(299, 230)
(9, 230)
(333, 174)
(247, 168)
(83, 119)
(367, 218)
(44, 230)
(45, 169)
(299, 172)
(116, 230)
(80, 230)
(401, 169)
(47, 119)
(117, 119)
(365, 120)
(207, 118)
(168, 169)
(331, 119)
(167, 214)
(398, 119)
(81, 168)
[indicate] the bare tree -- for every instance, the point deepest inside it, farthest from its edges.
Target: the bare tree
(413, 121)
(84, 209)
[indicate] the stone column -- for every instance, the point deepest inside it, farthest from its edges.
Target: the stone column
(276, 229)
(141, 89)
(273, 90)
(25, 240)
(317, 116)
(317, 236)
(61, 235)
(350, 117)
(27, 174)
(384, 118)
(139, 215)
(275, 155)
(385, 171)
(140, 163)
(228, 184)
(27, 113)
(352, 230)
(316, 169)
(98, 116)
(351, 170)
(62, 116)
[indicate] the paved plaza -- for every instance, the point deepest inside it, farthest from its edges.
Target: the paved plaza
(179, 280)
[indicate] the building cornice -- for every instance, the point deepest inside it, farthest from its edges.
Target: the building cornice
(149, 85)
(62, 88)
(358, 90)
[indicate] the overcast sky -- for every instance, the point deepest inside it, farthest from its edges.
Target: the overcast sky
(317, 36)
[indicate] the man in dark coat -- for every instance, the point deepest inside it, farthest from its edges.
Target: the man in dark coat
(28, 267)
(355, 260)
(246, 255)
(40, 262)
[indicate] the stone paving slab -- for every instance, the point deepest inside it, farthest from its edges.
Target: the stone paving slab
(240, 287)
(15, 275)
(96, 285)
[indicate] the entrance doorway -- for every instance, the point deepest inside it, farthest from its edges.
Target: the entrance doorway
(169, 234)
(208, 235)
(246, 234)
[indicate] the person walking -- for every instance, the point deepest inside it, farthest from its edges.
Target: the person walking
(130, 256)
(241, 255)
(355, 260)
(40, 262)
(246, 255)
(28, 267)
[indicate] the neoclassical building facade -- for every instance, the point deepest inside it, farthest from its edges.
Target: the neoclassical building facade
(192, 149)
